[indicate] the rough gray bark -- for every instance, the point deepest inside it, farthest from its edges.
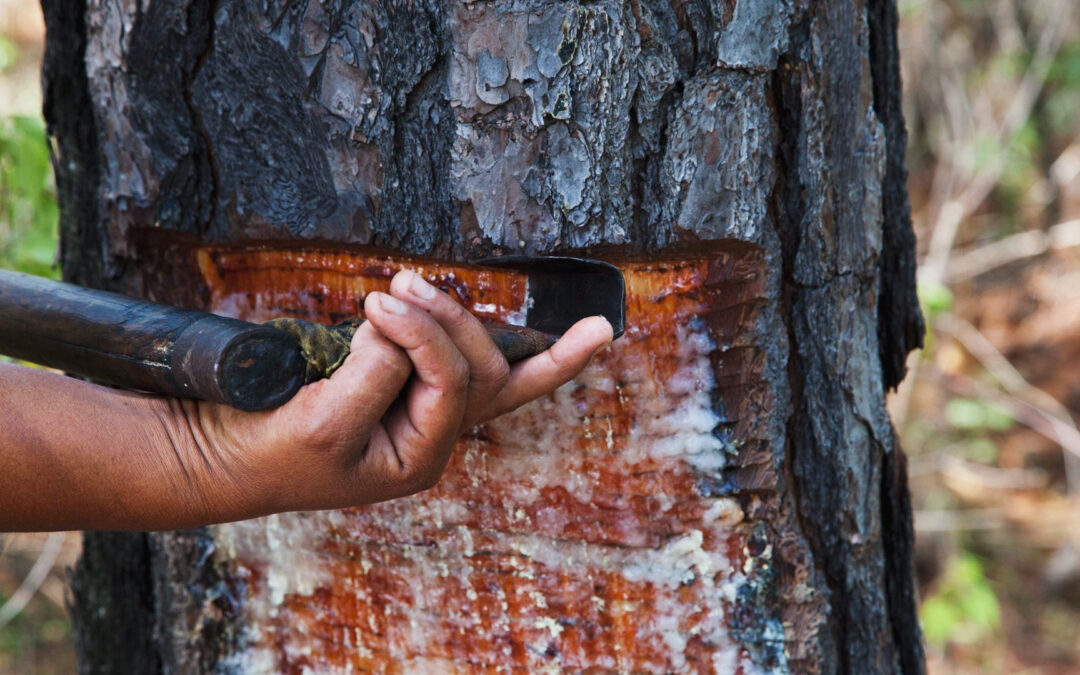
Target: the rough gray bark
(463, 129)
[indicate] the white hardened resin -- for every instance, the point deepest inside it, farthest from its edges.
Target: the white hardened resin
(567, 535)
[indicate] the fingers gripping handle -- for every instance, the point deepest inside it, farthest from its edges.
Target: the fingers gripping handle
(324, 348)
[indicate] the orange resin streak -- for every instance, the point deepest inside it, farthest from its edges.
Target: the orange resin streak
(260, 284)
(573, 534)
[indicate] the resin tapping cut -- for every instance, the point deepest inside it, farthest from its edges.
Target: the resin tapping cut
(602, 528)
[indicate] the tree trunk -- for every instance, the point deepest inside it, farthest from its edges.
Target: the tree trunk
(721, 492)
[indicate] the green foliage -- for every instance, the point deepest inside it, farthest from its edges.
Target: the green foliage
(28, 211)
(1065, 70)
(982, 450)
(936, 299)
(911, 8)
(966, 413)
(9, 54)
(964, 609)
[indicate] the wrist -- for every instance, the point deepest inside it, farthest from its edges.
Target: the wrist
(208, 453)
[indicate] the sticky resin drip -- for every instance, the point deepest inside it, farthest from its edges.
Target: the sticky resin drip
(569, 535)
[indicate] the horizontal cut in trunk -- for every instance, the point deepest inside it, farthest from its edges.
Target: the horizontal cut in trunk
(606, 542)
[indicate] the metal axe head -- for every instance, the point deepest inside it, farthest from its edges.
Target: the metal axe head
(564, 290)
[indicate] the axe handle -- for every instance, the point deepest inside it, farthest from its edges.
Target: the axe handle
(143, 345)
(147, 346)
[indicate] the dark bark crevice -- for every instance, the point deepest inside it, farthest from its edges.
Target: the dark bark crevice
(790, 205)
(202, 14)
(897, 521)
(169, 44)
(415, 214)
(69, 115)
(198, 609)
(113, 604)
(860, 632)
(900, 328)
(900, 321)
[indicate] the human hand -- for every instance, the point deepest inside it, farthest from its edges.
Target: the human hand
(421, 371)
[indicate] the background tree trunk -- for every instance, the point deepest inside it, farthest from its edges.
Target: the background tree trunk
(743, 160)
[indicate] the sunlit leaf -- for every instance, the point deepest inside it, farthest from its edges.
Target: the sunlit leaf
(9, 54)
(964, 608)
(982, 450)
(966, 413)
(935, 298)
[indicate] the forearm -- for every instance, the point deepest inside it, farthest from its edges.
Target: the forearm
(74, 455)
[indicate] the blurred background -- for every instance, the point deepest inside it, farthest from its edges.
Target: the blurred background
(35, 632)
(988, 412)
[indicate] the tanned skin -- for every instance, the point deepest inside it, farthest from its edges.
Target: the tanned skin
(74, 455)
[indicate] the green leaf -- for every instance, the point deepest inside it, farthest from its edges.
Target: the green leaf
(28, 210)
(966, 413)
(964, 607)
(939, 620)
(936, 299)
(9, 54)
(998, 419)
(982, 450)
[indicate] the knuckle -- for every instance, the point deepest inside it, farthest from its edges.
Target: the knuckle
(493, 375)
(389, 354)
(459, 374)
(396, 360)
(557, 360)
(500, 370)
(458, 315)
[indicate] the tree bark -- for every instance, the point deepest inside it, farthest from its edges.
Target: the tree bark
(742, 160)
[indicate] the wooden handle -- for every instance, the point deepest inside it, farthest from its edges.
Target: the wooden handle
(518, 343)
(146, 346)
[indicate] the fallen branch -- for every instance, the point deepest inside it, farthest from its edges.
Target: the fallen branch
(1015, 248)
(38, 573)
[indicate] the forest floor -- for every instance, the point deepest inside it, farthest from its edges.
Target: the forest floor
(988, 414)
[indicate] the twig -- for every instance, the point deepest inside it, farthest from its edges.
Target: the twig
(1056, 421)
(38, 573)
(1013, 249)
(1029, 415)
(989, 477)
(954, 521)
(955, 206)
(992, 477)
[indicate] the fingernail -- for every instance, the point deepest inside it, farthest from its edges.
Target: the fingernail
(391, 305)
(421, 288)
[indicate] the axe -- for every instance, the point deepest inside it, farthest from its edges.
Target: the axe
(162, 349)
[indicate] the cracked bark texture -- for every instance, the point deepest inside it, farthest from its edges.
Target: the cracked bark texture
(458, 129)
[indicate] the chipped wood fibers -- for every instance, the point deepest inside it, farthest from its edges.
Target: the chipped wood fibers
(572, 534)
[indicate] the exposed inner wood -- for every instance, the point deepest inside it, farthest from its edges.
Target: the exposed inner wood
(590, 529)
